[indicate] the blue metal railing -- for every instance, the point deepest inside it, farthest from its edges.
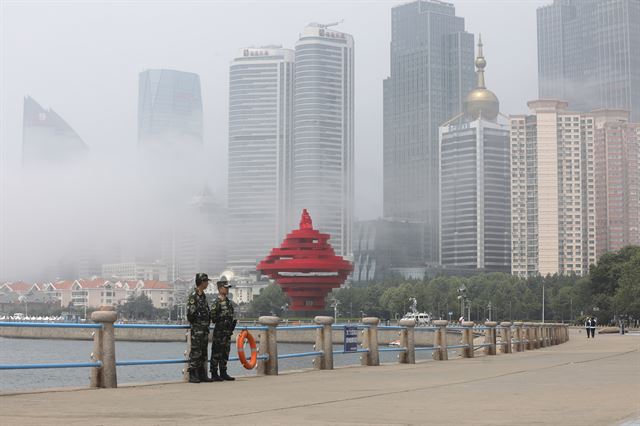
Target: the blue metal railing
(392, 349)
(357, 351)
(300, 354)
(154, 326)
(96, 364)
(427, 348)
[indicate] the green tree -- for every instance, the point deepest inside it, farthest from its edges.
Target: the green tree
(138, 307)
(271, 300)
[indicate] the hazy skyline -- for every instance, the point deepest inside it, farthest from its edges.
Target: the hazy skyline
(84, 63)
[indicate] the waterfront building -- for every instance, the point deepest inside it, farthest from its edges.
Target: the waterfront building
(169, 113)
(431, 73)
(136, 271)
(589, 54)
(323, 147)
(475, 198)
(260, 151)
(617, 179)
(48, 140)
(382, 248)
(553, 216)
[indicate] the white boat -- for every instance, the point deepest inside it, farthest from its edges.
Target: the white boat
(422, 319)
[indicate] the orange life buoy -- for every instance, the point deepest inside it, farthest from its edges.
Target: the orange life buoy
(245, 335)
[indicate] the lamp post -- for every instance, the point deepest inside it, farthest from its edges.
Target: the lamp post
(543, 301)
(335, 304)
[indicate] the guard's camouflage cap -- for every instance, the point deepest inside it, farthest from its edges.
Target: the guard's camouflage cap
(201, 277)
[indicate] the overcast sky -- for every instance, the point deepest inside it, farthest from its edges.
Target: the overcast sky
(83, 58)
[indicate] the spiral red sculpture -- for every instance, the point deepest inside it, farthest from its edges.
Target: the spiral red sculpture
(306, 267)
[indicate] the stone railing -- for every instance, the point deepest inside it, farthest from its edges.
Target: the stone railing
(516, 337)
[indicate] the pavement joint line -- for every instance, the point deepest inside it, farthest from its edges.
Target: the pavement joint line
(375, 395)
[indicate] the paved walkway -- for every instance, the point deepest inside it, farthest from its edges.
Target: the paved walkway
(582, 382)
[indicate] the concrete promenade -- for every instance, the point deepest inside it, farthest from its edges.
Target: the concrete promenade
(581, 382)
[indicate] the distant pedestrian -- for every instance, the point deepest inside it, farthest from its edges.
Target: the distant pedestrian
(198, 314)
(587, 326)
(593, 328)
(461, 319)
(222, 317)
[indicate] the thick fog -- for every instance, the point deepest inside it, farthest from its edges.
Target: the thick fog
(83, 61)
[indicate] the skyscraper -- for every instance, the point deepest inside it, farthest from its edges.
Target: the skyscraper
(552, 191)
(47, 140)
(617, 179)
(589, 54)
(196, 242)
(323, 132)
(169, 112)
(431, 73)
(475, 199)
(260, 144)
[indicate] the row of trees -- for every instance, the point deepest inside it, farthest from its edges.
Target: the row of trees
(611, 290)
(141, 307)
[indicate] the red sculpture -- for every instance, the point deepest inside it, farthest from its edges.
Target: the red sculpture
(306, 267)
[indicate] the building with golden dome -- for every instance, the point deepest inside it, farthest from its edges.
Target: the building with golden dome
(475, 210)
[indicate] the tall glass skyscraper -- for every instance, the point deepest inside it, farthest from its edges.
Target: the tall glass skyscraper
(589, 54)
(169, 111)
(475, 197)
(47, 140)
(323, 132)
(260, 143)
(431, 73)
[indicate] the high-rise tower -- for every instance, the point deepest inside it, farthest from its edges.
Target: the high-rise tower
(169, 112)
(589, 54)
(474, 184)
(323, 132)
(47, 140)
(431, 73)
(553, 216)
(260, 144)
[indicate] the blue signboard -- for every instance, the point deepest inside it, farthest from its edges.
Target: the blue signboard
(350, 338)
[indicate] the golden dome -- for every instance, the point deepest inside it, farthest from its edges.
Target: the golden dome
(481, 102)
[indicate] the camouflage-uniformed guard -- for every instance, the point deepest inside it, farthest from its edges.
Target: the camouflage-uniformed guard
(199, 316)
(222, 317)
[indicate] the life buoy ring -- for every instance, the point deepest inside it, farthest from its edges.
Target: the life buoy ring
(245, 335)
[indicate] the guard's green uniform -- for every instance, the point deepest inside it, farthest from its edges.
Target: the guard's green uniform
(199, 315)
(222, 317)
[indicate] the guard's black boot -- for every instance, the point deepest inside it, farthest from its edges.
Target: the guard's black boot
(225, 376)
(193, 376)
(214, 375)
(202, 375)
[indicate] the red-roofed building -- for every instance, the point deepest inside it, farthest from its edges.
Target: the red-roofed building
(20, 287)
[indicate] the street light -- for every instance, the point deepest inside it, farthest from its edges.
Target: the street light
(543, 301)
(335, 304)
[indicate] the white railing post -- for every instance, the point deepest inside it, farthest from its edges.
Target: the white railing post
(370, 341)
(506, 337)
(324, 343)
(490, 338)
(408, 341)
(268, 346)
(107, 377)
(467, 339)
(440, 340)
